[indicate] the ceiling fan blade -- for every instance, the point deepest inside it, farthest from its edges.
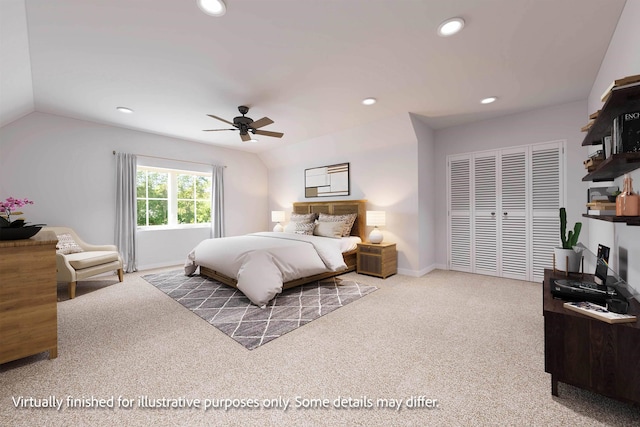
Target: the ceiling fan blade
(245, 137)
(269, 133)
(260, 123)
(215, 130)
(222, 120)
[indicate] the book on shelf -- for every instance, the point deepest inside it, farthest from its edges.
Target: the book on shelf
(625, 133)
(619, 82)
(586, 127)
(599, 312)
(602, 205)
(603, 212)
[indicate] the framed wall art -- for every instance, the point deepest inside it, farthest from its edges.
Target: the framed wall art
(327, 181)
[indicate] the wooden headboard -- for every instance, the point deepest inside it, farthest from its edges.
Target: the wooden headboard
(339, 207)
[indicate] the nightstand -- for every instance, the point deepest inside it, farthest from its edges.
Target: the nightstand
(377, 259)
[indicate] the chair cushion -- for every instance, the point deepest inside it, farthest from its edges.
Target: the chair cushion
(91, 258)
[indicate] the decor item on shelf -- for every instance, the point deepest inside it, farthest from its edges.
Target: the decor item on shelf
(17, 229)
(277, 216)
(612, 197)
(627, 202)
(376, 219)
(566, 259)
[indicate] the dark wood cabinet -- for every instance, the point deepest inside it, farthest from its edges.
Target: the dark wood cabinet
(589, 353)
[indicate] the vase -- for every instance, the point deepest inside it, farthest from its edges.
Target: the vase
(564, 255)
(627, 202)
(19, 233)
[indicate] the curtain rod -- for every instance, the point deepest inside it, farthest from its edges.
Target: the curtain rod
(173, 160)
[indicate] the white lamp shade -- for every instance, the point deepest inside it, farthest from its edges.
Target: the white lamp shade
(376, 218)
(277, 216)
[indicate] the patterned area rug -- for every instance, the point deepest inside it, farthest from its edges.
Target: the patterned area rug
(231, 312)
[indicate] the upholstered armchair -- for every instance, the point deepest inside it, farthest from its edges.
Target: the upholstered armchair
(77, 260)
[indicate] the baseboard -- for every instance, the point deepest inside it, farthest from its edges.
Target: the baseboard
(417, 273)
(145, 267)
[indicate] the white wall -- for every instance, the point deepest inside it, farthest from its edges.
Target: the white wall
(67, 167)
(621, 60)
(383, 159)
(562, 122)
(15, 64)
(427, 204)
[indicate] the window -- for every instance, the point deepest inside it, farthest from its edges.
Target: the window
(168, 197)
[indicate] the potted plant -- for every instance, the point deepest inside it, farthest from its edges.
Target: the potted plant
(17, 229)
(568, 259)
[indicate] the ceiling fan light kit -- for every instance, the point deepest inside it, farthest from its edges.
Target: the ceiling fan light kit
(247, 125)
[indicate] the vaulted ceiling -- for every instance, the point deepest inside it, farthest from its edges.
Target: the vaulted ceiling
(306, 64)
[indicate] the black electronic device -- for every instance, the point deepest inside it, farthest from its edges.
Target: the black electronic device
(581, 290)
(584, 290)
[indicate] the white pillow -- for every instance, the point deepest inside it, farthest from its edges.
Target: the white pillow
(347, 220)
(66, 245)
(329, 229)
(290, 228)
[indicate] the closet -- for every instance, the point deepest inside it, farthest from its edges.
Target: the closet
(503, 210)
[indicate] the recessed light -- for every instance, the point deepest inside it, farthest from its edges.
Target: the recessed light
(212, 7)
(253, 140)
(450, 27)
(369, 101)
(489, 100)
(124, 110)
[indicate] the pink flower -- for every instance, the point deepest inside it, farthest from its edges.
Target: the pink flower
(10, 204)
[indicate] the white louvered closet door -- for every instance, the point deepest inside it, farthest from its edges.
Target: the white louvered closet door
(523, 186)
(485, 221)
(514, 253)
(547, 194)
(459, 179)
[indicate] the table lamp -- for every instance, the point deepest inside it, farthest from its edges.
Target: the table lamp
(277, 216)
(376, 219)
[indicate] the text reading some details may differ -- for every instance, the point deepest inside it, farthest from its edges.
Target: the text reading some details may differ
(299, 402)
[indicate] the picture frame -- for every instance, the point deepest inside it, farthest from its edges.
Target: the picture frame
(327, 181)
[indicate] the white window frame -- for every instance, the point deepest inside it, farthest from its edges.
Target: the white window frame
(172, 196)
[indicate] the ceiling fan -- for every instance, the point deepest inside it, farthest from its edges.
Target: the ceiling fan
(246, 124)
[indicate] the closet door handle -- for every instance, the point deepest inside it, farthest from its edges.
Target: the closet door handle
(505, 214)
(493, 214)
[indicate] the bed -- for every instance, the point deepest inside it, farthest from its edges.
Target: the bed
(262, 264)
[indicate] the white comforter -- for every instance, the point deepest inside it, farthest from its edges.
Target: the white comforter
(262, 262)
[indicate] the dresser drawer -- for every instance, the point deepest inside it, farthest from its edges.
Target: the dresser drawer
(367, 249)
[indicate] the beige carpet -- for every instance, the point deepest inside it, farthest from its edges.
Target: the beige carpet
(473, 343)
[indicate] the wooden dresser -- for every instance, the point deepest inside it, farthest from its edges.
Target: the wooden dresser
(28, 297)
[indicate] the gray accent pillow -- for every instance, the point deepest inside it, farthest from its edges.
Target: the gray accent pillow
(305, 228)
(296, 217)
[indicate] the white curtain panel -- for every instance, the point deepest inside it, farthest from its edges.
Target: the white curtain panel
(217, 201)
(126, 166)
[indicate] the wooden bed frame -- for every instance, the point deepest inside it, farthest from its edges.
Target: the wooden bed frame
(334, 208)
